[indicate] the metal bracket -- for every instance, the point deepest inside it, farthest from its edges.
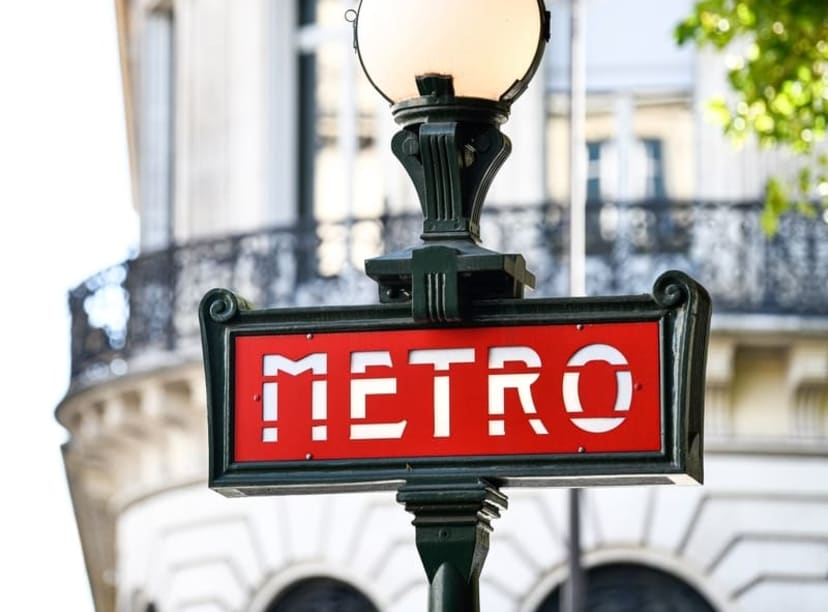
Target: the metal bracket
(453, 523)
(451, 149)
(434, 284)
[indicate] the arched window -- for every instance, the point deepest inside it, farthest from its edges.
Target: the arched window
(321, 595)
(630, 587)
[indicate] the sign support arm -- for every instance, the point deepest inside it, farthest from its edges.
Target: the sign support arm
(453, 523)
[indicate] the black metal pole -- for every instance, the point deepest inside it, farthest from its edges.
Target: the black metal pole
(453, 523)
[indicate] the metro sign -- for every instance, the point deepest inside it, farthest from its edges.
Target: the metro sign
(443, 393)
(528, 392)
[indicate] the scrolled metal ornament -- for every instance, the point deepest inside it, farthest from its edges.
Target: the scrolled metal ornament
(223, 305)
(673, 288)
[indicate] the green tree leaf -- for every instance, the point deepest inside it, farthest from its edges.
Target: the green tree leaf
(780, 81)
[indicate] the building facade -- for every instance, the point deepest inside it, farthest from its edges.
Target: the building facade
(261, 163)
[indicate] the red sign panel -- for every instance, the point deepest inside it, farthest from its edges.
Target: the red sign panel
(510, 390)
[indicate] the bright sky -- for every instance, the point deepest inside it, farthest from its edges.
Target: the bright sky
(64, 191)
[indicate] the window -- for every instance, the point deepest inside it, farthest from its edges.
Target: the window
(156, 129)
(638, 147)
(644, 179)
(630, 587)
(321, 595)
(654, 168)
(341, 176)
(339, 165)
(593, 186)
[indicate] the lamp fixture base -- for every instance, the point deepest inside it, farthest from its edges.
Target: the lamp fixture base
(452, 148)
(442, 280)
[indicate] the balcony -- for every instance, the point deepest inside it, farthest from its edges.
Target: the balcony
(143, 313)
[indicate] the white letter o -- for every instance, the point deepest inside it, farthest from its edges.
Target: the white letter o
(572, 398)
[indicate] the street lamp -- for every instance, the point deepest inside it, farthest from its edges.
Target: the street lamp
(447, 464)
(451, 70)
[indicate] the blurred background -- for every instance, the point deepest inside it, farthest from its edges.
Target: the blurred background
(154, 149)
(64, 183)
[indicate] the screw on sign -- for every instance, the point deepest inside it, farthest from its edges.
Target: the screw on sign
(541, 389)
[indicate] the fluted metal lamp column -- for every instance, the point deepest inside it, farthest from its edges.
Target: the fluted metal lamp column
(451, 70)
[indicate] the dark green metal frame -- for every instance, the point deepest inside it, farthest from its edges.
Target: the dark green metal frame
(679, 304)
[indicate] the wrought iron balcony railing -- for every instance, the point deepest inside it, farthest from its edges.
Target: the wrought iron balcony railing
(147, 306)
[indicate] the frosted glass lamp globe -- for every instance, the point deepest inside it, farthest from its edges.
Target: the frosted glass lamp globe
(490, 48)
